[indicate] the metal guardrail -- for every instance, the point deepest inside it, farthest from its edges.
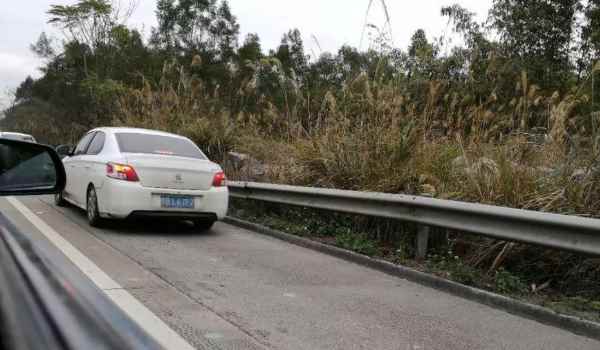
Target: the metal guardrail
(563, 232)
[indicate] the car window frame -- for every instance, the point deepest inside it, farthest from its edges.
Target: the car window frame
(84, 150)
(97, 135)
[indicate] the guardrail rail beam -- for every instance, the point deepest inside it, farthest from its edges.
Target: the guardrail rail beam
(563, 232)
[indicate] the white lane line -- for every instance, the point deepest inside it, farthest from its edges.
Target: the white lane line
(147, 320)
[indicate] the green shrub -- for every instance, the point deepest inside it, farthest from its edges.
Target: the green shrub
(507, 283)
(359, 243)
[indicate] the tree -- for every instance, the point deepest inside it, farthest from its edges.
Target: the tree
(249, 56)
(198, 26)
(24, 91)
(291, 55)
(422, 56)
(88, 22)
(204, 32)
(225, 32)
(539, 35)
(590, 36)
(251, 49)
(473, 62)
(464, 23)
(43, 47)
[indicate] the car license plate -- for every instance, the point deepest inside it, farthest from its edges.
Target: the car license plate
(177, 202)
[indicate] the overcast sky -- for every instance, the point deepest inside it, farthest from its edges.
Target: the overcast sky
(332, 22)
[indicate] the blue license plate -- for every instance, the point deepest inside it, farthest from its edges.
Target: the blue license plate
(177, 202)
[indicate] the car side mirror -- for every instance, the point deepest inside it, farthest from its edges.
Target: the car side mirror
(29, 169)
(64, 150)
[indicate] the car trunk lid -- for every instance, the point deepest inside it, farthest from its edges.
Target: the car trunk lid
(170, 172)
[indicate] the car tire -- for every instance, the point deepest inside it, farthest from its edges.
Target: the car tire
(93, 214)
(59, 200)
(203, 225)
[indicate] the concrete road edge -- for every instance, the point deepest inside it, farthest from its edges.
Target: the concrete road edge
(538, 313)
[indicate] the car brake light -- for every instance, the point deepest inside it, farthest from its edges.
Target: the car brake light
(121, 172)
(219, 179)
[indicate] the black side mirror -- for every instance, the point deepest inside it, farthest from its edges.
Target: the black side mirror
(64, 150)
(29, 169)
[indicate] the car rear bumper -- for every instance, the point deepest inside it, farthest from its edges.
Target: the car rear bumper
(121, 199)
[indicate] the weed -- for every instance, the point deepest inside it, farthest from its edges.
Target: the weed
(359, 243)
(508, 283)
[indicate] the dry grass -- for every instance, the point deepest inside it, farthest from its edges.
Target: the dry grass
(179, 104)
(376, 136)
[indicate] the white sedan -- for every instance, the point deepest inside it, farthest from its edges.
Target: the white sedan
(17, 136)
(117, 173)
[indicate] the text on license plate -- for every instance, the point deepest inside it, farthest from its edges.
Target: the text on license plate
(177, 202)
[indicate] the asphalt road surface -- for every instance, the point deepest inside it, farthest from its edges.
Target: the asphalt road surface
(234, 289)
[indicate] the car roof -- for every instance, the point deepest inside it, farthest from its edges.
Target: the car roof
(14, 133)
(113, 130)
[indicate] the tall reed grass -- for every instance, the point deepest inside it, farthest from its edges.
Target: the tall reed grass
(530, 151)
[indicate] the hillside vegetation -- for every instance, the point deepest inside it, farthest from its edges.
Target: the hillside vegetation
(509, 118)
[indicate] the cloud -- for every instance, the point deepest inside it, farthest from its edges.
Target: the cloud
(14, 68)
(12, 65)
(338, 22)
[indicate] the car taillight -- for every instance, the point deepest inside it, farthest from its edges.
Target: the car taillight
(219, 179)
(121, 172)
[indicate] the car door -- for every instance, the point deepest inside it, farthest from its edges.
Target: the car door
(73, 169)
(93, 167)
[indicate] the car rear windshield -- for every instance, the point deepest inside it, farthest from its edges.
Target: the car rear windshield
(158, 144)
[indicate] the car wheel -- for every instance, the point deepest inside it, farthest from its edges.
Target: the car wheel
(93, 213)
(59, 200)
(203, 225)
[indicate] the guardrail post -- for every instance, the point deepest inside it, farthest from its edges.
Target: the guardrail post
(422, 241)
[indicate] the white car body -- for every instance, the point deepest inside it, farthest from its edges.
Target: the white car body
(160, 175)
(17, 136)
